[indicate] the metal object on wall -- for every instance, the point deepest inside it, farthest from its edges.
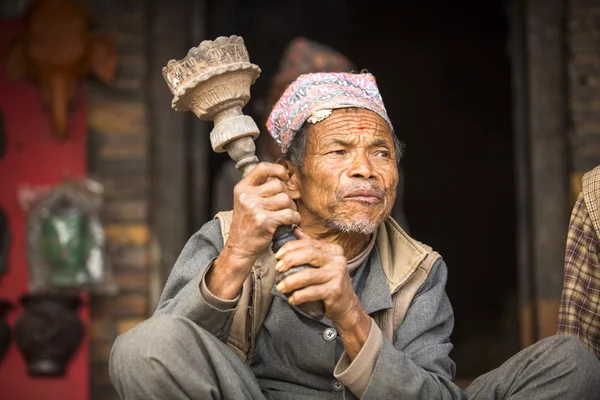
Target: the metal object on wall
(5, 334)
(56, 49)
(213, 81)
(65, 241)
(48, 332)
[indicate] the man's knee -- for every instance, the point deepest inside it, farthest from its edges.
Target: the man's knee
(570, 350)
(576, 362)
(140, 352)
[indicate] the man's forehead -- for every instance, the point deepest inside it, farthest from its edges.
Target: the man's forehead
(352, 124)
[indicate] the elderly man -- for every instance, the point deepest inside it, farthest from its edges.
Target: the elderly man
(222, 331)
(580, 305)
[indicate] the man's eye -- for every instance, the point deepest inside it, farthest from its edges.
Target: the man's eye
(338, 152)
(384, 153)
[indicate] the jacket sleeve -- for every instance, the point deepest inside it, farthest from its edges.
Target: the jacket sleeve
(417, 365)
(185, 293)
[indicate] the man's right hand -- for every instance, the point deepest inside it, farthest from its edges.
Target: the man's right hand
(261, 203)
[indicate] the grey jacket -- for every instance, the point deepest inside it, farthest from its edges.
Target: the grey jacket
(296, 356)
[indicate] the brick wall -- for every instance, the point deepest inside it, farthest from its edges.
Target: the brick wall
(118, 153)
(583, 65)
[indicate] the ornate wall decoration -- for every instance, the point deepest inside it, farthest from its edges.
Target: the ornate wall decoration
(66, 242)
(56, 49)
(48, 332)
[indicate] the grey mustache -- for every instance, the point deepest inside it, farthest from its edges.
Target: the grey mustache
(361, 186)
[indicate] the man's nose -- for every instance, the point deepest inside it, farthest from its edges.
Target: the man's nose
(361, 167)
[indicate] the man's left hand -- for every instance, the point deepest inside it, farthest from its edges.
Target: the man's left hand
(329, 281)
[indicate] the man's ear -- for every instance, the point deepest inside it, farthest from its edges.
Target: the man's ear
(293, 183)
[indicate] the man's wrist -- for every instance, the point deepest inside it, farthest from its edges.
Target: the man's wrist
(355, 322)
(227, 275)
(354, 329)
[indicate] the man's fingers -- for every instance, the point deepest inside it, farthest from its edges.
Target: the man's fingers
(306, 241)
(300, 234)
(286, 216)
(278, 202)
(300, 256)
(302, 279)
(263, 171)
(272, 187)
(308, 251)
(310, 293)
(300, 243)
(308, 255)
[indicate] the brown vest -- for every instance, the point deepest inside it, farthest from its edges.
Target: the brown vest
(406, 264)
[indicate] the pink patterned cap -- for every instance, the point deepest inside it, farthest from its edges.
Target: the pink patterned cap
(312, 94)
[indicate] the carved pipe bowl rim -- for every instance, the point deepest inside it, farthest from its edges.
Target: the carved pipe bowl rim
(212, 75)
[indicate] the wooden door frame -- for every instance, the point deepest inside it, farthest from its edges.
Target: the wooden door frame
(179, 142)
(538, 62)
(539, 82)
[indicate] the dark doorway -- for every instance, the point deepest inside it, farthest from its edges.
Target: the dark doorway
(444, 73)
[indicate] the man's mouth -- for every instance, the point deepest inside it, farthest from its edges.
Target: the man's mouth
(364, 196)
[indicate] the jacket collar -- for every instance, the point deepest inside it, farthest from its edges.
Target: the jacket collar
(400, 254)
(393, 260)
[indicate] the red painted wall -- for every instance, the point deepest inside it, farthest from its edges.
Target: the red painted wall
(34, 157)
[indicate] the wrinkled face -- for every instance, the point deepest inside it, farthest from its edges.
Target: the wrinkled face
(350, 174)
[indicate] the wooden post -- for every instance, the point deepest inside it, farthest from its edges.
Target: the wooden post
(520, 90)
(549, 166)
(539, 77)
(169, 33)
(198, 139)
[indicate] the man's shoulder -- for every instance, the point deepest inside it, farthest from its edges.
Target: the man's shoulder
(595, 170)
(211, 231)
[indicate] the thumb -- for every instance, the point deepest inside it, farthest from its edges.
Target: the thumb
(300, 234)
